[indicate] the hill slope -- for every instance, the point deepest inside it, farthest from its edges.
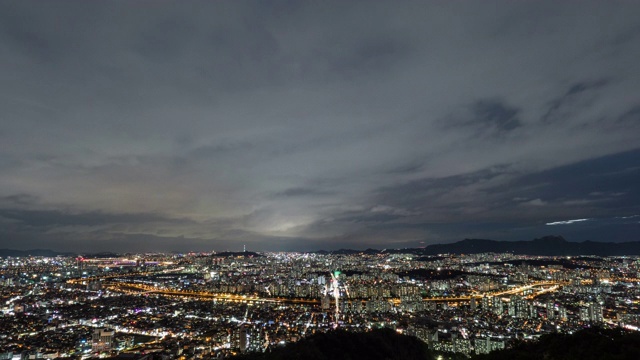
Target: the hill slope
(381, 344)
(589, 344)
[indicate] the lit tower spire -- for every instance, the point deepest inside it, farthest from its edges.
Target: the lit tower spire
(335, 286)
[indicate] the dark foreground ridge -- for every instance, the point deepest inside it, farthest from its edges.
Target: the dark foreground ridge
(588, 344)
(383, 344)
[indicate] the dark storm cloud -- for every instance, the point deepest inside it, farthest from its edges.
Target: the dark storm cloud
(633, 115)
(608, 183)
(503, 117)
(487, 116)
(578, 96)
(598, 187)
(293, 125)
(504, 202)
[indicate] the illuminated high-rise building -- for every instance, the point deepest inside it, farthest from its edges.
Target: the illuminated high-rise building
(102, 340)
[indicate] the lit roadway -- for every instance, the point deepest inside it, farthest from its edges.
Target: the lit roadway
(85, 281)
(546, 287)
(206, 295)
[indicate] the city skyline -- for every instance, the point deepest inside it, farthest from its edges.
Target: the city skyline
(201, 306)
(154, 126)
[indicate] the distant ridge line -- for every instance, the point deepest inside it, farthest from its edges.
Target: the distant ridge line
(544, 246)
(32, 252)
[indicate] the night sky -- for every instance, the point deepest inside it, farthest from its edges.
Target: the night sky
(304, 125)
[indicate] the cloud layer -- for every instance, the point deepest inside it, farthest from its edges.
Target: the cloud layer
(304, 125)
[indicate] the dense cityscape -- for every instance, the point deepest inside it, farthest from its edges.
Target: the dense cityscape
(217, 305)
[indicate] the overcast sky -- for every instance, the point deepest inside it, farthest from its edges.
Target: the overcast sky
(303, 125)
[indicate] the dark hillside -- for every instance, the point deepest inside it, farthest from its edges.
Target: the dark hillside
(589, 344)
(382, 344)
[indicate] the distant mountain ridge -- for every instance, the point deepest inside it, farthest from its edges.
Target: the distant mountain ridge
(32, 252)
(545, 246)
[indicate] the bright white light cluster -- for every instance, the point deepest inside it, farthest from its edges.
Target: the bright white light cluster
(567, 222)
